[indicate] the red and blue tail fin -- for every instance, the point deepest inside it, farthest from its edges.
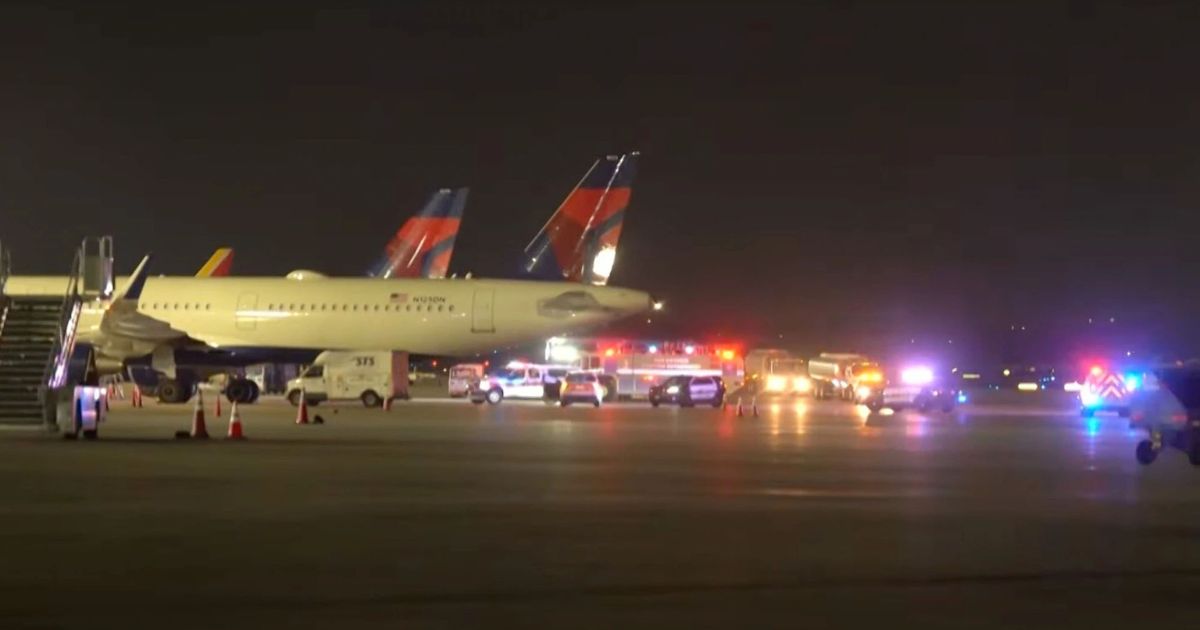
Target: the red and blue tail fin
(422, 246)
(579, 242)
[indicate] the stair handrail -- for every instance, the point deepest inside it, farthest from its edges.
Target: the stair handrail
(56, 370)
(5, 267)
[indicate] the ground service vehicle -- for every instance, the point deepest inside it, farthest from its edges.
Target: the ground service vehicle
(462, 377)
(517, 380)
(687, 391)
(1106, 390)
(845, 376)
(917, 387)
(370, 377)
(774, 371)
(1167, 406)
(580, 387)
(628, 368)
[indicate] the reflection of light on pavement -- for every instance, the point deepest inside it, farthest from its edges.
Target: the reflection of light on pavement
(916, 427)
(1092, 430)
(863, 413)
(887, 411)
(774, 424)
(1093, 427)
(801, 410)
(561, 427)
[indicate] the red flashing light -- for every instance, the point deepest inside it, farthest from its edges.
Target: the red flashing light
(727, 355)
(1096, 370)
(435, 363)
(610, 352)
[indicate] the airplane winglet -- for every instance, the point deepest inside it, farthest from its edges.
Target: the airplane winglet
(137, 280)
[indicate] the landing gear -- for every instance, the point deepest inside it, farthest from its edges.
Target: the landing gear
(172, 391)
(242, 390)
(1146, 453)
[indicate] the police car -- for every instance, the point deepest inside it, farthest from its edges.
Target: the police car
(917, 387)
(519, 380)
(686, 391)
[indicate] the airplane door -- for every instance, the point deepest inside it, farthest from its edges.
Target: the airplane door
(481, 312)
(245, 320)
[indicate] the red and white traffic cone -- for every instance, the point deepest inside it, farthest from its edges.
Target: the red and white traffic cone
(235, 424)
(740, 413)
(199, 430)
(302, 409)
(217, 413)
(387, 403)
(135, 398)
(754, 405)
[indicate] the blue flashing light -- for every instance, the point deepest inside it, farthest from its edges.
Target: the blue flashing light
(962, 398)
(1088, 398)
(1132, 381)
(1093, 427)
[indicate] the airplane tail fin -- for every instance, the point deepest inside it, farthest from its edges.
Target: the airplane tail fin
(218, 265)
(579, 242)
(422, 247)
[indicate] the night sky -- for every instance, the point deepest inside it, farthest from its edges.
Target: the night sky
(842, 174)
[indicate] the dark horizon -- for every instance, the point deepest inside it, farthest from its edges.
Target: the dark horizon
(833, 174)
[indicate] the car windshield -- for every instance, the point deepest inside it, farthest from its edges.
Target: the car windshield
(677, 380)
(581, 378)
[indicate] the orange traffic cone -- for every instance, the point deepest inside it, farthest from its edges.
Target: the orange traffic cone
(199, 431)
(235, 424)
(135, 398)
(302, 409)
(217, 413)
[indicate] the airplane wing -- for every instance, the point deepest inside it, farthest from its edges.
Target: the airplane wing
(218, 265)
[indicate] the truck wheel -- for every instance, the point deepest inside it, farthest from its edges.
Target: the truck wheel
(494, 396)
(371, 399)
(1146, 453)
(874, 406)
(294, 397)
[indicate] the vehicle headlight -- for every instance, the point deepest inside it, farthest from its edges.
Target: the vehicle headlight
(776, 383)
(801, 384)
(674, 389)
(863, 391)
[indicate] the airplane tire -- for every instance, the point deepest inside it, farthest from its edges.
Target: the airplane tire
(172, 391)
(241, 390)
(1146, 453)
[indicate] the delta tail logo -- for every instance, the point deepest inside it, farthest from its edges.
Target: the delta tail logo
(422, 246)
(579, 242)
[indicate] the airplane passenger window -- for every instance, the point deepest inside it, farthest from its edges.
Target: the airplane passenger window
(408, 308)
(451, 308)
(376, 307)
(176, 306)
(440, 308)
(356, 307)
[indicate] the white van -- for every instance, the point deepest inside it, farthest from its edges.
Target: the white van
(367, 376)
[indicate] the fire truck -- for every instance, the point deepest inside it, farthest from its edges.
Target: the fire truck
(628, 368)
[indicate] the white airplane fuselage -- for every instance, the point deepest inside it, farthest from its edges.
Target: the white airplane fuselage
(442, 317)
